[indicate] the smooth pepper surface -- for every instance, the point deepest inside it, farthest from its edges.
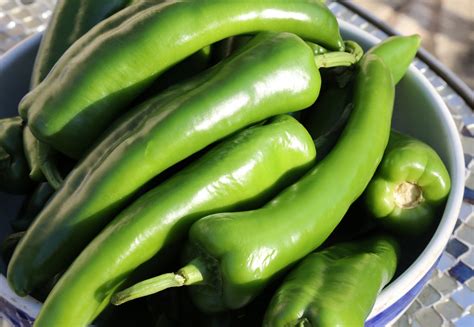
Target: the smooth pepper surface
(243, 171)
(91, 94)
(274, 74)
(334, 287)
(229, 264)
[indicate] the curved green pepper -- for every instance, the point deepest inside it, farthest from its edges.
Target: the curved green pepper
(274, 74)
(409, 186)
(326, 119)
(233, 256)
(242, 172)
(91, 94)
(70, 20)
(397, 52)
(14, 175)
(334, 287)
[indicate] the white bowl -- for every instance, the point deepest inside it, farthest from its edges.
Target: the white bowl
(419, 111)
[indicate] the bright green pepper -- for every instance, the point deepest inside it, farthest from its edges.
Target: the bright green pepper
(274, 74)
(91, 94)
(233, 256)
(409, 187)
(326, 119)
(334, 287)
(242, 172)
(14, 175)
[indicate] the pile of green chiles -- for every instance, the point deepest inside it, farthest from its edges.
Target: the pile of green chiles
(181, 136)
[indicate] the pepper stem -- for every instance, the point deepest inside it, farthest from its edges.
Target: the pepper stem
(350, 56)
(188, 275)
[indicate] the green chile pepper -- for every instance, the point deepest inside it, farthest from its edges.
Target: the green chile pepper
(409, 187)
(274, 74)
(242, 172)
(397, 52)
(71, 19)
(14, 176)
(326, 119)
(334, 287)
(230, 262)
(91, 94)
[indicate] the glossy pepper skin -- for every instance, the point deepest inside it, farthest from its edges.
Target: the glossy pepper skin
(334, 287)
(243, 171)
(325, 120)
(71, 19)
(14, 174)
(228, 265)
(274, 74)
(91, 94)
(409, 187)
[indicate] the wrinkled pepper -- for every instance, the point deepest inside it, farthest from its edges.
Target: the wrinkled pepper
(90, 94)
(409, 188)
(334, 287)
(243, 171)
(274, 74)
(229, 264)
(71, 19)
(14, 173)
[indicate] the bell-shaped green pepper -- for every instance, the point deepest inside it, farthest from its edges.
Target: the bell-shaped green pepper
(409, 186)
(334, 287)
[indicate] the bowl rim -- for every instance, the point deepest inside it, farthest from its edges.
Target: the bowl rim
(429, 256)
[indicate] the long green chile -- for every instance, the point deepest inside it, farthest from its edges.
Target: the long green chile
(273, 74)
(334, 287)
(243, 171)
(229, 265)
(326, 119)
(91, 94)
(71, 19)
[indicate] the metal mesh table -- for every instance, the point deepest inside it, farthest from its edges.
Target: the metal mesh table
(448, 298)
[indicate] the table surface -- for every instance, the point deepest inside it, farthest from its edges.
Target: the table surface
(448, 298)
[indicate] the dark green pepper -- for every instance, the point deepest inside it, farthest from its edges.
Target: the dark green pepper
(32, 206)
(233, 256)
(243, 171)
(410, 186)
(70, 20)
(14, 174)
(91, 94)
(274, 74)
(334, 287)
